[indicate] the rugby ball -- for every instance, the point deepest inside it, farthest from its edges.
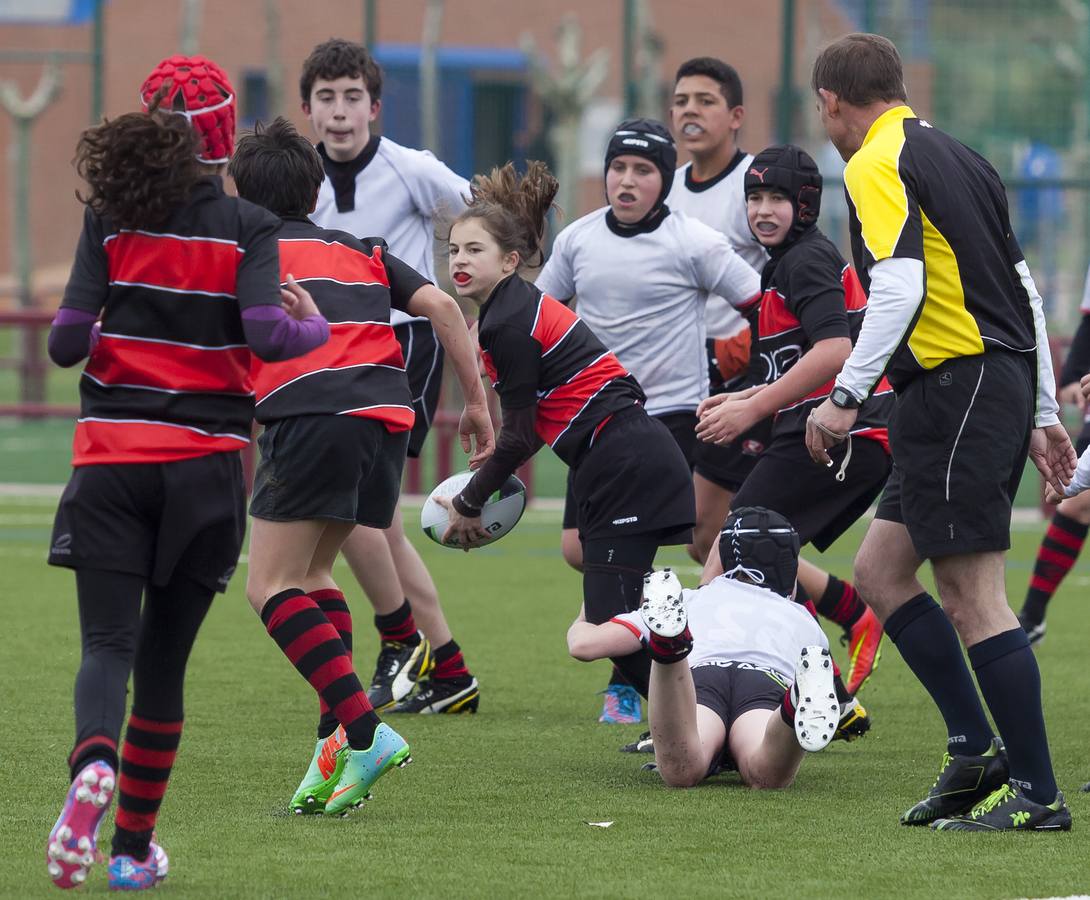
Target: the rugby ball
(499, 515)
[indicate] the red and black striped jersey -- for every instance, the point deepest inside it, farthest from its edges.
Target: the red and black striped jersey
(169, 378)
(808, 294)
(537, 351)
(360, 370)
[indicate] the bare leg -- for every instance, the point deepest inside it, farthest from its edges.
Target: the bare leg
(712, 508)
(417, 584)
(320, 574)
(812, 579)
(687, 737)
(886, 567)
(572, 548)
(973, 593)
(280, 557)
(368, 556)
(765, 748)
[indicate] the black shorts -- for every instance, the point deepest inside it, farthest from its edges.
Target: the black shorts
(424, 366)
(729, 465)
(1083, 440)
(960, 435)
(154, 520)
(329, 467)
(787, 480)
(682, 427)
(731, 688)
(634, 481)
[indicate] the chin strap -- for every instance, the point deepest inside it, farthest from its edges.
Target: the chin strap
(754, 575)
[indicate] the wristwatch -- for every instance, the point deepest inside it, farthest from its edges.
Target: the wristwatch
(842, 398)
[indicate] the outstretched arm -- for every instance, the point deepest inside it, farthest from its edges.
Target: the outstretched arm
(587, 642)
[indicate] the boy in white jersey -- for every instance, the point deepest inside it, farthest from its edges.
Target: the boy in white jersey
(741, 676)
(643, 276)
(705, 117)
(375, 187)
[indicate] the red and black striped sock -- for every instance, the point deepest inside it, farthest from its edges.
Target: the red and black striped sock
(787, 708)
(147, 756)
(87, 751)
(1059, 550)
(312, 645)
(331, 601)
(398, 626)
(449, 664)
(841, 603)
(668, 650)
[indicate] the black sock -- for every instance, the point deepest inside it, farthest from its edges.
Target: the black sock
(930, 646)
(617, 677)
(399, 626)
(1011, 684)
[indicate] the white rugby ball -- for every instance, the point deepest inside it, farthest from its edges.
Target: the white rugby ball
(499, 515)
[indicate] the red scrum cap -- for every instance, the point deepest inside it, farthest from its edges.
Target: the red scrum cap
(199, 90)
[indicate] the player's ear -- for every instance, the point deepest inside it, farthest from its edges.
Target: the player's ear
(829, 101)
(510, 262)
(376, 108)
(306, 108)
(737, 115)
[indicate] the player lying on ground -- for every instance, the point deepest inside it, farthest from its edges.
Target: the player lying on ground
(337, 421)
(741, 676)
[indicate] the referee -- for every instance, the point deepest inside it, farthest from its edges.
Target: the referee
(955, 322)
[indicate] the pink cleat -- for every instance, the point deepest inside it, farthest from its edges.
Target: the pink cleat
(70, 852)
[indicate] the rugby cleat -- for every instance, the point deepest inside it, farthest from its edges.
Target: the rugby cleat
(864, 640)
(360, 769)
(642, 744)
(817, 711)
(442, 695)
(1035, 631)
(399, 668)
(621, 705)
(321, 777)
(71, 849)
(663, 609)
(854, 721)
(963, 782)
(1006, 809)
(129, 874)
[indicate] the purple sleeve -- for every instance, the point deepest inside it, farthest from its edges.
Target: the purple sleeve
(72, 337)
(273, 335)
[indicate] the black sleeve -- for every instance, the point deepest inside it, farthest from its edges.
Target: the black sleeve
(258, 280)
(1077, 363)
(518, 441)
(517, 358)
(815, 296)
(89, 280)
(404, 281)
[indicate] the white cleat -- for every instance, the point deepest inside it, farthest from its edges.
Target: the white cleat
(817, 711)
(663, 608)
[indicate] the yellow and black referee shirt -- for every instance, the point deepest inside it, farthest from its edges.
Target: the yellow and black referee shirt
(915, 192)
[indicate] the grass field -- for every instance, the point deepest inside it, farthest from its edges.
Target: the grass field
(495, 805)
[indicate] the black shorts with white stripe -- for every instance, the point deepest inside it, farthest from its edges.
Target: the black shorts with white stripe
(424, 365)
(960, 436)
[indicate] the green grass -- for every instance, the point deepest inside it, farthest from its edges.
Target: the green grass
(494, 805)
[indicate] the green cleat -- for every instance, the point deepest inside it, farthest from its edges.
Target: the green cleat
(1005, 809)
(358, 770)
(314, 790)
(963, 782)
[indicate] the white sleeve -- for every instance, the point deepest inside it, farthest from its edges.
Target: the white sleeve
(557, 276)
(437, 192)
(634, 622)
(1081, 481)
(896, 292)
(719, 269)
(1047, 408)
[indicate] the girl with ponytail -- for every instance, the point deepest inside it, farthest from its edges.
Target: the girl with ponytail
(559, 385)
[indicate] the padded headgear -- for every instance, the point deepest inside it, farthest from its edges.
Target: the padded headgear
(763, 546)
(651, 140)
(792, 170)
(200, 91)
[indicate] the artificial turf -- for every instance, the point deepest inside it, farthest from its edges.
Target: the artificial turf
(496, 805)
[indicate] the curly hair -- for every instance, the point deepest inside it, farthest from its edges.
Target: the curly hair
(513, 207)
(140, 167)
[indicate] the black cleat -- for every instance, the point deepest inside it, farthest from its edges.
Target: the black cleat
(439, 695)
(854, 721)
(963, 782)
(641, 745)
(1005, 809)
(398, 670)
(1035, 631)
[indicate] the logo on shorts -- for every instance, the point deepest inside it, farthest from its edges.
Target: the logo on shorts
(752, 448)
(62, 546)
(626, 520)
(225, 577)
(946, 379)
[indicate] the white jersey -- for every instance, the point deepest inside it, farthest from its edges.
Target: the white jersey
(720, 202)
(399, 194)
(644, 296)
(734, 621)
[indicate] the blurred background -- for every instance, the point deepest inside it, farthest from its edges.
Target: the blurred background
(482, 81)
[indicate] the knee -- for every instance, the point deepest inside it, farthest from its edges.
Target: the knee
(572, 549)
(256, 593)
(677, 774)
(760, 779)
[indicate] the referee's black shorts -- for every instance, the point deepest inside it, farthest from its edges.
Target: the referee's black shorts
(154, 519)
(682, 427)
(960, 436)
(424, 367)
(821, 509)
